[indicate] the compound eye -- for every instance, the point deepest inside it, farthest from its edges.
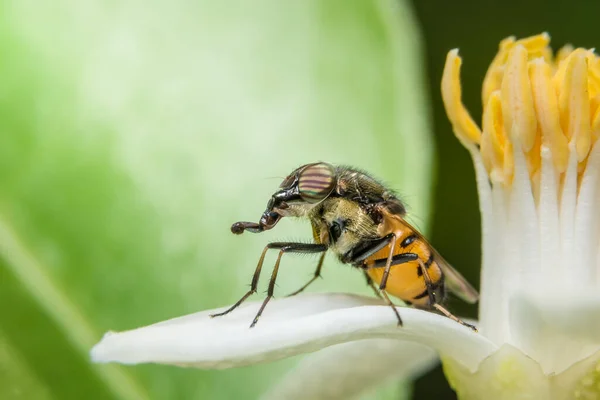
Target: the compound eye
(288, 182)
(316, 182)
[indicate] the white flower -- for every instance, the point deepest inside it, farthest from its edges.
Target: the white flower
(537, 165)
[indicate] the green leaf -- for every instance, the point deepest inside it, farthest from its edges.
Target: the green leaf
(131, 137)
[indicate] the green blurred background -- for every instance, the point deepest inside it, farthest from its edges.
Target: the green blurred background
(132, 136)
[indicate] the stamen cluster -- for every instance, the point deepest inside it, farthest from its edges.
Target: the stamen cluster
(537, 167)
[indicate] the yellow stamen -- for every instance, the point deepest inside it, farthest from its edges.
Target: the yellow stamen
(563, 53)
(593, 74)
(596, 124)
(545, 53)
(493, 138)
(494, 74)
(509, 162)
(534, 157)
(546, 107)
(464, 127)
(536, 46)
(594, 93)
(532, 101)
(517, 101)
(535, 43)
(574, 103)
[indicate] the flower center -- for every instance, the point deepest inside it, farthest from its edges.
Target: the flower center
(532, 99)
(537, 167)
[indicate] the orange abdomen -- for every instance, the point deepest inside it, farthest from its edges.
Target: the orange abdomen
(406, 281)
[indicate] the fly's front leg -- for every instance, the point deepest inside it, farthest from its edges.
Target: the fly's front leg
(285, 248)
(368, 249)
(364, 251)
(433, 302)
(253, 285)
(388, 263)
(397, 259)
(371, 284)
(386, 274)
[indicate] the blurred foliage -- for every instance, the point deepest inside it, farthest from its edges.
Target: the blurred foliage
(476, 28)
(132, 136)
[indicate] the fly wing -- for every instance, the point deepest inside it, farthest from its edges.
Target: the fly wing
(455, 282)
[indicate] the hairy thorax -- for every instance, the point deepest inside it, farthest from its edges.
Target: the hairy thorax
(342, 224)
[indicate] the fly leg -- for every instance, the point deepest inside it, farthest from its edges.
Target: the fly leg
(387, 263)
(357, 257)
(366, 252)
(256, 276)
(453, 317)
(434, 302)
(253, 285)
(285, 248)
(371, 284)
(314, 278)
(397, 259)
(386, 274)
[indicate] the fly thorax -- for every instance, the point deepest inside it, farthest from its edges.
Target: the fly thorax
(347, 224)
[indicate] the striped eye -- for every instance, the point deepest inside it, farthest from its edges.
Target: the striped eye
(288, 182)
(316, 182)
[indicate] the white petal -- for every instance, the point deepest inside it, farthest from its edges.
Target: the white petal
(289, 326)
(493, 311)
(571, 274)
(556, 331)
(507, 374)
(549, 222)
(348, 370)
(491, 273)
(522, 238)
(586, 220)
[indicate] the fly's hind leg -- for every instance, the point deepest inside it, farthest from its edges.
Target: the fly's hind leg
(453, 317)
(433, 301)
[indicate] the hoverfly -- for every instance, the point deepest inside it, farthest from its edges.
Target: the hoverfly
(362, 222)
